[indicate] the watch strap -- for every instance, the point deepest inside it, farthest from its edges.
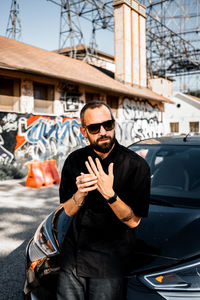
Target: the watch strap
(112, 199)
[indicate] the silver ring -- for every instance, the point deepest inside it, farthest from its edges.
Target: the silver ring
(80, 181)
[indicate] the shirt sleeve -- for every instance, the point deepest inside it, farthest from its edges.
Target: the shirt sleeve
(67, 184)
(139, 191)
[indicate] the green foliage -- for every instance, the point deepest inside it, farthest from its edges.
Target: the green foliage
(12, 171)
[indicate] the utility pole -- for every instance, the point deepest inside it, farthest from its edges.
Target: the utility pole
(13, 30)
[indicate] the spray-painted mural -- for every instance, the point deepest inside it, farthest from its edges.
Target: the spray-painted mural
(28, 137)
(138, 120)
(34, 137)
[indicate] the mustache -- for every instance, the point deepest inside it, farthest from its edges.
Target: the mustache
(103, 137)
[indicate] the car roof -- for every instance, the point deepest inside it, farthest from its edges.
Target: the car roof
(171, 140)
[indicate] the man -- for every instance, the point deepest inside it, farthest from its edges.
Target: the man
(105, 187)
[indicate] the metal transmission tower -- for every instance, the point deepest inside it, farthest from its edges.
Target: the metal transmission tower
(98, 13)
(13, 30)
(173, 32)
(173, 38)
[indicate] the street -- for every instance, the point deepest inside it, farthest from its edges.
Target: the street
(22, 209)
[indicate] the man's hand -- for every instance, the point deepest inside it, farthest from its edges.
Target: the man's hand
(104, 181)
(105, 186)
(85, 183)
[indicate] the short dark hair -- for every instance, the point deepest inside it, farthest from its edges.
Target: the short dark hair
(92, 105)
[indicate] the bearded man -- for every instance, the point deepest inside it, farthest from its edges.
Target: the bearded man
(105, 187)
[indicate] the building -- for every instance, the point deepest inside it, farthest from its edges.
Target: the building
(184, 116)
(41, 94)
(104, 62)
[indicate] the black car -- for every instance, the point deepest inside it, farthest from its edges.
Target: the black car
(167, 257)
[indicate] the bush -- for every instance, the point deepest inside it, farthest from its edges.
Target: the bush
(13, 171)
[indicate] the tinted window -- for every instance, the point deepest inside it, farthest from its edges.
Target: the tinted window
(175, 171)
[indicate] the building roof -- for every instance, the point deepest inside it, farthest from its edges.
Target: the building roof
(83, 48)
(22, 57)
(195, 98)
(186, 96)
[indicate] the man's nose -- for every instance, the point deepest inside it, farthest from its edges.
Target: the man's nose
(102, 130)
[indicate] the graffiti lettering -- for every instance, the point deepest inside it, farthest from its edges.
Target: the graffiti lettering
(46, 137)
(43, 137)
(5, 156)
(138, 120)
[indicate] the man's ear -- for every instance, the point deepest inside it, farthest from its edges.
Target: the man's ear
(83, 131)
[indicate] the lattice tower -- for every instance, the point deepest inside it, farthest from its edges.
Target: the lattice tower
(173, 32)
(14, 30)
(175, 51)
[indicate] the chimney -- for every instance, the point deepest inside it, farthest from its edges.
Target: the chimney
(130, 42)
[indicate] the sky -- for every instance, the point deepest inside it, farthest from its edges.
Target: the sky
(40, 22)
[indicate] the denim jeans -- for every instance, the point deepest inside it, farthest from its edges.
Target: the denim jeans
(73, 287)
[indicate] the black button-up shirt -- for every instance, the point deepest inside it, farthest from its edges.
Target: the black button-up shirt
(98, 244)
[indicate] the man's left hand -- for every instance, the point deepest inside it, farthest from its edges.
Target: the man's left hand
(104, 181)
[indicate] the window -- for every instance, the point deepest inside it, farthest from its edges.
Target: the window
(6, 87)
(174, 127)
(43, 91)
(43, 98)
(9, 94)
(194, 126)
(92, 97)
(174, 168)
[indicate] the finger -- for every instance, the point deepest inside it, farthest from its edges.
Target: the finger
(88, 167)
(86, 177)
(99, 166)
(86, 184)
(93, 166)
(110, 169)
(88, 189)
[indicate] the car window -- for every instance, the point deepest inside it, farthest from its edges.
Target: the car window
(175, 170)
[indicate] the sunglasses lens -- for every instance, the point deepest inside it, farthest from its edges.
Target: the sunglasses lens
(95, 128)
(108, 125)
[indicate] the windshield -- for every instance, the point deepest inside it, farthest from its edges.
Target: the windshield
(175, 171)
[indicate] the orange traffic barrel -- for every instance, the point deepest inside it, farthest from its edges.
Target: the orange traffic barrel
(35, 176)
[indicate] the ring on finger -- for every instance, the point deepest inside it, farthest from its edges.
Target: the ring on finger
(80, 181)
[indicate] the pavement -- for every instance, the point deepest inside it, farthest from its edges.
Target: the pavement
(21, 209)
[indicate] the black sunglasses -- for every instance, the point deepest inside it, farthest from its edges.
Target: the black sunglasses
(95, 128)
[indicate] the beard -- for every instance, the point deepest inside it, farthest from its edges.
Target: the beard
(103, 147)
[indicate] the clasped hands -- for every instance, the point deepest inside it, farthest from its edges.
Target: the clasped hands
(96, 179)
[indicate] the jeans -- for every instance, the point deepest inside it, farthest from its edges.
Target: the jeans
(73, 287)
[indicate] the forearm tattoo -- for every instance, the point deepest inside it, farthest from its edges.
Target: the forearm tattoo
(128, 218)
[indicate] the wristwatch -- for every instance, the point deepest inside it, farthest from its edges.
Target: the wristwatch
(112, 199)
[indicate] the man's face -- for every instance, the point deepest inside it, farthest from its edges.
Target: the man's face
(103, 140)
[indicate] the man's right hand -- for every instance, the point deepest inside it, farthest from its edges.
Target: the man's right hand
(85, 183)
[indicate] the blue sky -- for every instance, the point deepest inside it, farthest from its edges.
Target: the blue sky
(40, 21)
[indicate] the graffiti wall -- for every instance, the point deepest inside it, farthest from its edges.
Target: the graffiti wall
(138, 120)
(26, 137)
